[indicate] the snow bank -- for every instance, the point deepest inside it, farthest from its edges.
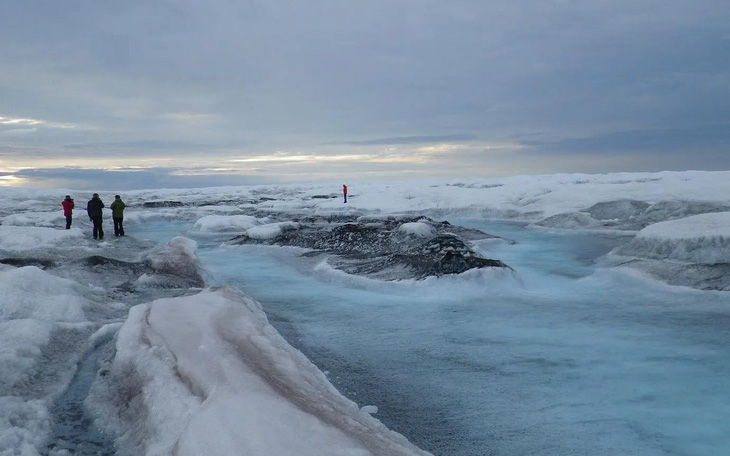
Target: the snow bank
(629, 215)
(528, 198)
(30, 292)
(225, 223)
(21, 341)
(33, 303)
(701, 239)
(175, 267)
(179, 253)
(182, 213)
(219, 209)
(622, 209)
(570, 221)
(46, 219)
(142, 216)
(698, 226)
(20, 238)
(34, 306)
(207, 374)
(271, 230)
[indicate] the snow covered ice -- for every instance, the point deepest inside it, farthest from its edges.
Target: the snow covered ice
(210, 364)
(607, 336)
(696, 239)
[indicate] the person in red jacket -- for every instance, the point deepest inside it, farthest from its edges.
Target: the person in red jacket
(344, 191)
(68, 205)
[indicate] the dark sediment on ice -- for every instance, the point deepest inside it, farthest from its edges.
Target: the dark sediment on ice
(385, 248)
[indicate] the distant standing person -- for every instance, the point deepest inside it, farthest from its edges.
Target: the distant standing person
(344, 191)
(68, 206)
(93, 208)
(117, 208)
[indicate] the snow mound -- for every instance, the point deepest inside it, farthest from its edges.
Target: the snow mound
(629, 214)
(144, 216)
(33, 306)
(271, 230)
(570, 221)
(179, 252)
(21, 345)
(207, 374)
(715, 224)
(23, 238)
(175, 213)
(175, 267)
(671, 210)
(617, 210)
(30, 292)
(46, 219)
(417, 229)
(225, 223)
(219, 209)
(703, 239)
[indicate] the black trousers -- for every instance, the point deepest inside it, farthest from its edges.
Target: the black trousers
(68, 222)
(118, 228)
(98, 231)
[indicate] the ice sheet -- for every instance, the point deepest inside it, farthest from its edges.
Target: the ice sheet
(47, 317)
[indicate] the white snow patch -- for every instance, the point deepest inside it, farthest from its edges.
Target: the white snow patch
(225, 223)
(418, 229)
(716, 224)
(703, 239)
(179, 253)
(211, 208)
(20, 238)
(45, 219)
(29, 292)
(271, 230)
(21, 341)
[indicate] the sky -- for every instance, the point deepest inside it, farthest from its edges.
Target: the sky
(179, 93)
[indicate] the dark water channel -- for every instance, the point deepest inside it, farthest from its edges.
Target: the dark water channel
(73, 429)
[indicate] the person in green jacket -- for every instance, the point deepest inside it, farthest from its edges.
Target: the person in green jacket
(117, 208)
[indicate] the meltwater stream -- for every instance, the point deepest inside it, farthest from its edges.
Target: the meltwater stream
(569, 361)
(74, 431)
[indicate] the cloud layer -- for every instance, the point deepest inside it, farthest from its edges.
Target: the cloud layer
(590, 86)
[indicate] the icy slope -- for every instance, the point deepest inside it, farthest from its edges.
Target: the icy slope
(692, 251)
(207, 374)
(701, 239)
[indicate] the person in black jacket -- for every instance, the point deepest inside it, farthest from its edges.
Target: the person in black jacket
(93, 208)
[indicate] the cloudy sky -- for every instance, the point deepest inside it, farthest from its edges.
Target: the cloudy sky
(168, 93)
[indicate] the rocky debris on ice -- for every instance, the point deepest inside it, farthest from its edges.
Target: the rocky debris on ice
(380, 247)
